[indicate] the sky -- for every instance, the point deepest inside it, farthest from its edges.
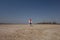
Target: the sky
(19, 11)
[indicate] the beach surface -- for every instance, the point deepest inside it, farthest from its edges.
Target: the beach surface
(27, 32)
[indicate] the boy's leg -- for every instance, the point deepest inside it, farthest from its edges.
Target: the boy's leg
(30, 24)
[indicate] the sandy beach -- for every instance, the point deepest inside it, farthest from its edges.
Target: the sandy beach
(27, 32)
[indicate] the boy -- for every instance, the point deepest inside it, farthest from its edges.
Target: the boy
(30, 21)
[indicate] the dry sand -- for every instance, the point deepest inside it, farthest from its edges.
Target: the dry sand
(27, 32)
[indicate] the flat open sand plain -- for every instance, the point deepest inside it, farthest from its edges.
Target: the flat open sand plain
(27, 32)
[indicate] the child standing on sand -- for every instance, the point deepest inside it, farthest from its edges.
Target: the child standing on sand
(30, 21)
